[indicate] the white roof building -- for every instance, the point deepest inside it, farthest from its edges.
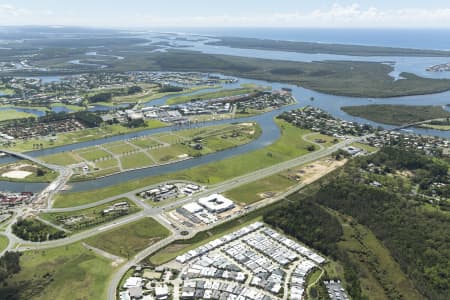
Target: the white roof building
(133, 282)
(216, 203)
(161, 292)
(193, 207)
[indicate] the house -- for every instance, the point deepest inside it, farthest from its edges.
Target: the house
(124, 295)
(135, 292)
(133, 282)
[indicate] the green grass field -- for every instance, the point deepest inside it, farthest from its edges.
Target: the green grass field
(289, 146)
(4, 241)
(167, 154)
(131, 238)
(27, 166)
(153, 94)
(90, 214)
(69, 272)
(144, 142)
(101, 173)
(212, 95)
(6, 91)
(11, 114)
(119, 147)
(62, 158)
(365, 147)
(137, 160)
(437, 127)
(106, 164)
(132, 152)
(68, 106)
(250, 193)
(93, 154)
(324, 140)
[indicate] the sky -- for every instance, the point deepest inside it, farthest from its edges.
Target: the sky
(228, 13)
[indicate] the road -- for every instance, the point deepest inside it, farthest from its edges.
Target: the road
(155, 212)
(224, 187)
(45, 197)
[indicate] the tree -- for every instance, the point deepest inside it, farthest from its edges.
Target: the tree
(134, 90)
(40, 172)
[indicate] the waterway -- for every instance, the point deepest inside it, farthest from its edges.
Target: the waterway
(271, 133)
(35, 112)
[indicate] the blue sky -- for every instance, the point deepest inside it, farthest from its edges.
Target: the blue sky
(229, 13)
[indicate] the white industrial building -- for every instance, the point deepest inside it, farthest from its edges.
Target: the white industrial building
(216, 203)
(193, 208)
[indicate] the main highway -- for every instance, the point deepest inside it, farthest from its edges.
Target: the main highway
(157, 211)
(151, 211)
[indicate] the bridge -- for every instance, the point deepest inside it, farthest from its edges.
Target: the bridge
(400, 127)
(32, 159)
(45, 196)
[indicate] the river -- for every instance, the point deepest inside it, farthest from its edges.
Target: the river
(329, 103)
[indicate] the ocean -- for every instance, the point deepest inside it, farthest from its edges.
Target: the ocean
(406, 38)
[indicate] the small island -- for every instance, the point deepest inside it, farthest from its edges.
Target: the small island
(439, 68)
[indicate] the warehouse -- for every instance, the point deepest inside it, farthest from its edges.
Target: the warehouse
(216, 203)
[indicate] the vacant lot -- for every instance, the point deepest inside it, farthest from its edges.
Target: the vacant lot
(258, 190)
(69, 272)
(93, 154)
(130, 239)
(137, 160)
